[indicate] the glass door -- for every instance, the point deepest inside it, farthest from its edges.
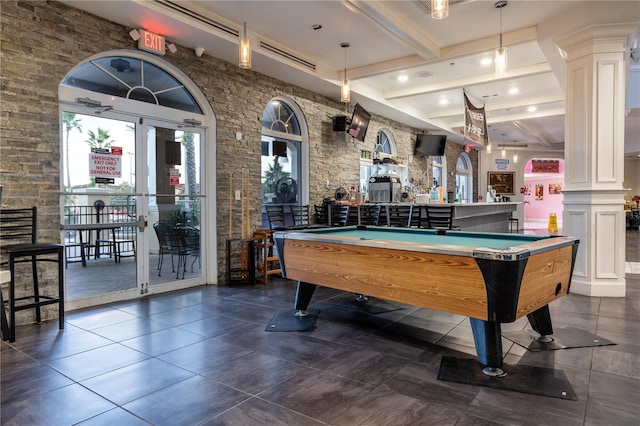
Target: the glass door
(100, 206)
(174, 205)
(131, 207)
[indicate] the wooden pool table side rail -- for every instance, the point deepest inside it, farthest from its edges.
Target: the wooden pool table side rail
(546, 278)
(431, 280)
(437, 281)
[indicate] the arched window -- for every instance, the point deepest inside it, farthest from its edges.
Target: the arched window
(385, 143)
(285, 154)
(464, 179)
(134, 79)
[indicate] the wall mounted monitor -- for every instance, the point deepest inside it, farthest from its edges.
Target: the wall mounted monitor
(359, 123)
(427, 145)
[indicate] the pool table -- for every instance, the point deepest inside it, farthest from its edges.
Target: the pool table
(492, 278)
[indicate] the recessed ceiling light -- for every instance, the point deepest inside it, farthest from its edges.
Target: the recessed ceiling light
(403, 77)
(513, 90)
(486, 61)
(532, 109)
(444, 101)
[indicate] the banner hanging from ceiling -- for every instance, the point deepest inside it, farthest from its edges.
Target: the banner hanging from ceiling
(475, 123)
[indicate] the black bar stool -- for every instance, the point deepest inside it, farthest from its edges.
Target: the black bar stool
(513, 221)
(20, 225)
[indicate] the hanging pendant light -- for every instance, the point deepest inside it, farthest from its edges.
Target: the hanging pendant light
(244, 54)
(501, 53)
(345, 89)
(439, 9)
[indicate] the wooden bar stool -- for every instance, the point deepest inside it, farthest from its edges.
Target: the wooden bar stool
(267, 262)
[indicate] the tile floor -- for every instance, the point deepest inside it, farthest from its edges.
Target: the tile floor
(202, 356)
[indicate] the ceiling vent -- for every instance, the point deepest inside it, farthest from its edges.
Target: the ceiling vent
(290, 57)
(218, 26)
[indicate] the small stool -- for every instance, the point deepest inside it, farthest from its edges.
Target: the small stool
(267, 262)
(31, 252)
(512, 221)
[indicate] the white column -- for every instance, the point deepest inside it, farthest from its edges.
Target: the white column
(594, 156)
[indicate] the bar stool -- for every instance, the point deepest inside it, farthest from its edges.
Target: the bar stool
(20, 225)
(512, 221)
(267, 261)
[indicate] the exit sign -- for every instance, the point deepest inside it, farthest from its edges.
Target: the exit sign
(151, 42)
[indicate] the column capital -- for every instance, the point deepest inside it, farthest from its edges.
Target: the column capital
(597, 39)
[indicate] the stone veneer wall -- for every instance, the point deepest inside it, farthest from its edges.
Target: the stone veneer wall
(43, 41)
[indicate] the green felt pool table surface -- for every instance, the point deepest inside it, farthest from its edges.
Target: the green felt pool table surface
(426, 236)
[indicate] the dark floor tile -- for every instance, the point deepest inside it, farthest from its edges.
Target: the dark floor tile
(163, 341)
(421, 329)
(27, 382)
(317, 394)
(148, 306)
(384, 406)
(12, 359)
(614, 391)
(620, 307)
(181, 316)
(621, 360)
(617, 325)
(214, 326)
(515, 408)
(575, 303)
(256, 412)
(338, 332)
(116, 416)
(98, 361)
(104, 317)
(64, 406)
(206, 356)
(598, 415)
(241, 374)
(420, 381)
(193, 401)
(61, 345)
(134, 381)
(365, 366)
(137, 327)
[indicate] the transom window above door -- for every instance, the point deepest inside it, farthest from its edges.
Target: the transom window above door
(134, 79)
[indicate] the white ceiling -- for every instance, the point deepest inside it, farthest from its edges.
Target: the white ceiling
(440, 58)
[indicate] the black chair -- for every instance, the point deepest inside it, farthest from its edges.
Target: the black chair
(339, 214)
(300, 215)
(191, 242)
(322, 214)
(440, 216)
(399, 215)
(370, 214)
(353, 216)
(163, 234)
(19, 226)
(275, 216)
(513, 221)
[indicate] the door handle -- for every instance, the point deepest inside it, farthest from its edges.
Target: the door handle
(142, 223)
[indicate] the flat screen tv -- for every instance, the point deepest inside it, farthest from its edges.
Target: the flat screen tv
(427, 145)
(359, 123)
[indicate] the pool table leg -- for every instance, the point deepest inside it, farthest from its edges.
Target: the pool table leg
(303, 297)
(540, 321)
(488, 340)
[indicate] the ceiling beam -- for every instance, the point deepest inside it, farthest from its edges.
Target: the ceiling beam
(467, 82)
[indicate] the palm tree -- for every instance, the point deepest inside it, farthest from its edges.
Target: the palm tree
(101, 140)
(70, 123)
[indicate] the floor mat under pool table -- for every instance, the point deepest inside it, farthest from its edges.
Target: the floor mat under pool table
(519, 378)
(562, 338)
